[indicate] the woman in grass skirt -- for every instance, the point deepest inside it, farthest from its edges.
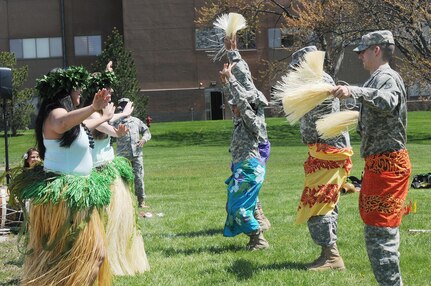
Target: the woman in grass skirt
(125, 244)
(66, 237)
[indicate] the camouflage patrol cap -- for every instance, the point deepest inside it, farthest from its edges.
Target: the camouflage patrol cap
(375, 38)
(298, 56)
(124, 99)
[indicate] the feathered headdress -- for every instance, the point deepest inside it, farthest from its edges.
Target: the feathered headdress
(72, 78)
(303, 89)
(228, 25)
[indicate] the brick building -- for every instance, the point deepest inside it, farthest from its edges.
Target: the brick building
(173, 68)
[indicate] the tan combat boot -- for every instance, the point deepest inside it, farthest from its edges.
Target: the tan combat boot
(261, 219)
(318, 260)
(257, 241)
(331, 260)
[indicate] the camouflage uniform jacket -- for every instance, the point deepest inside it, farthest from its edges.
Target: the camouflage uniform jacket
(127, 146)
(248, 90)
(308, 122)
(259, 111)
(383, 113)
(241, 71)
(244, 144)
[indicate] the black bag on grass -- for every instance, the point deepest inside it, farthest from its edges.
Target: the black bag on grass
(421, 181)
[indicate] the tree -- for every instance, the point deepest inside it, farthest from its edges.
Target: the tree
(20, 107)
(411, 21)
(332, 25)
(125, 70)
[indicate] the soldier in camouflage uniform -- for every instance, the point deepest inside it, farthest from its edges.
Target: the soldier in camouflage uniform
(130, 146)
(382, 126)
(326, 169)
(248, 167)
(257, 101)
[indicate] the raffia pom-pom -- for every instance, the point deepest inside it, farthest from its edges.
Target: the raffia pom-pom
(334, 124)
(303, 89)
(230, 23)
(311, 68)
(299, 101)
(309, 71)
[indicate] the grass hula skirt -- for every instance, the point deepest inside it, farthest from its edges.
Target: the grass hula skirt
(54, 258)
(125, 244)
(65, 239)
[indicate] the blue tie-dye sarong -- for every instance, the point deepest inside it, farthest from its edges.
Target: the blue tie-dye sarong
(243, 188)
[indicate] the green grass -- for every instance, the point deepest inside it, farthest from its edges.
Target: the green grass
(186, 164)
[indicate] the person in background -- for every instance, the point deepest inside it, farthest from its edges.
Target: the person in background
(130, 147)
(149, 120)
(31, 157)
(382, 127)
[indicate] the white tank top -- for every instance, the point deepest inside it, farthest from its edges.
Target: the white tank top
(73, 160)
(103, 152)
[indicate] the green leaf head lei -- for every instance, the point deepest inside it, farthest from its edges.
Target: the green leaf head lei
(72, 78)
(98, 81)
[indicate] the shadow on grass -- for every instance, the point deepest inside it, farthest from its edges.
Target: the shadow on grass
(168, 252)
(244, 269)
(17, 263)
(205, 232)
(278, 135)
(284, 266)
(9, 135)
(10, 282)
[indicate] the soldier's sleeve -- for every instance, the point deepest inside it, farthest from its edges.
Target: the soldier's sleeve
(226, 91)
(115, 123)
(247, 113)
(386, 96)
(233, 56)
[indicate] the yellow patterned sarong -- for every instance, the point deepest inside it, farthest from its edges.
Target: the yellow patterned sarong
(326, 170)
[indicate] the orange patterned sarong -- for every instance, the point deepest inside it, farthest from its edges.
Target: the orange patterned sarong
(326, 170)
(384, 188)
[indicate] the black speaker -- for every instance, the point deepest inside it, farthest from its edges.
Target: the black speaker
(5, 83)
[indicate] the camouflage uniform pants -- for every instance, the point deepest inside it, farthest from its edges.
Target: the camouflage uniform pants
(138, 171)
(382, 246)
(323, 228)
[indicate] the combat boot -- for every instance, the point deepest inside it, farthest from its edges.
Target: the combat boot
(318, 260)
(261, 219)
(331, 260)
(257, 241)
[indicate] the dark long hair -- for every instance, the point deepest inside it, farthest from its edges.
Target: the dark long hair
(61, 99)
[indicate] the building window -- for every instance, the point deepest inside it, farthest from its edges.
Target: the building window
(29, 48)
(36, 48)
(280, 38)
(208, 38)
(42, 48)
(88, 45)
(212, 39)
(55, 47)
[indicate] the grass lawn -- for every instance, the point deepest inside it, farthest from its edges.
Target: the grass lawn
(186, 164)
